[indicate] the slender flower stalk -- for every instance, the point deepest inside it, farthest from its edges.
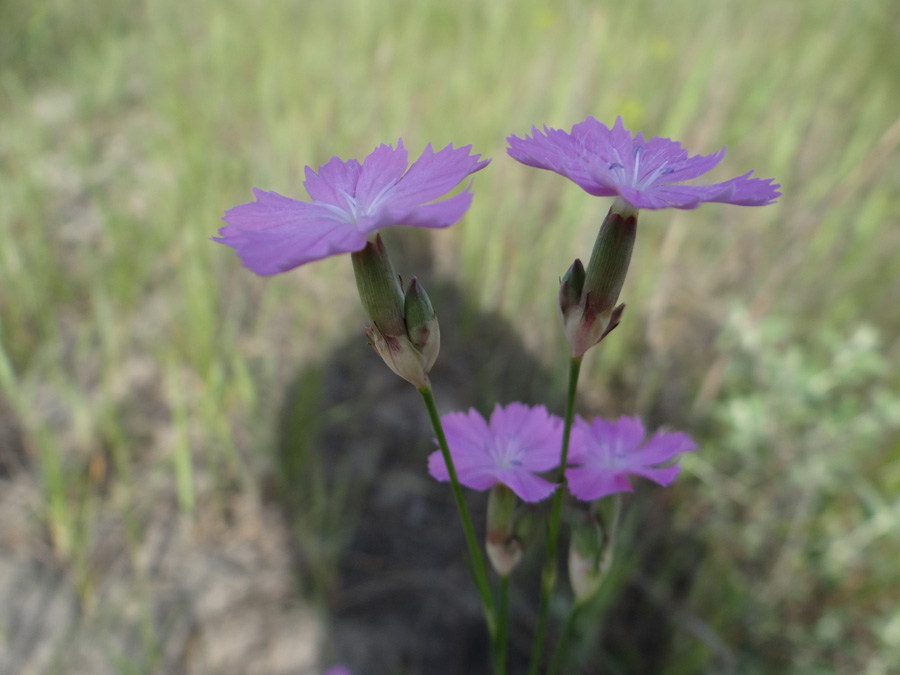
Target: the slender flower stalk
(563, 646)
(478, 567)
(500, 646)
(548, 578)
(587, 574)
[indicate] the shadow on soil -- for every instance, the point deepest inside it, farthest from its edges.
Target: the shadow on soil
(379, 541)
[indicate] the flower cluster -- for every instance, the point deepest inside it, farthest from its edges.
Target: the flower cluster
(521, 442)
(352, 200)
(521, 451)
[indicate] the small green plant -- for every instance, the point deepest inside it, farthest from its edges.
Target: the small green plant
(799, 497)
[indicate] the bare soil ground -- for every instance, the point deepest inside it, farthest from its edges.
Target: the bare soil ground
(212, 594)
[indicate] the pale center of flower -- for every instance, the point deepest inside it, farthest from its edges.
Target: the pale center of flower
(617, 453)
(355, 211)
(354, 208)
(507, 453)
(349, 215)
(661, 170)
(635, 180)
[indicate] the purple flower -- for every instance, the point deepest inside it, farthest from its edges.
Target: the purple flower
(518, 442)
(350, 201)
(607, 452)
(338, 670)
(646, 174)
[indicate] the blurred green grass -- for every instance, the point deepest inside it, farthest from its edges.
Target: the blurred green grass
(129, 128)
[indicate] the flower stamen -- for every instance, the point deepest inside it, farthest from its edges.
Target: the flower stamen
(342, 214)
(353, 205)
(660, 171)
(380, 197)
(636, 153)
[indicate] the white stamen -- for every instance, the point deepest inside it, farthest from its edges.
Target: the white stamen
(661, 170)
(380, 197)
(637, 164)
(342, 214)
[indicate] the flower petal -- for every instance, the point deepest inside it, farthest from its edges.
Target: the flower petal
(335, 181)
(746, 191)
(622, 146)
(594, 443)
(663, 446)
(381, 170)
(537, 433)
(276, 233)
(477, 474)
(466, 430)
(688, 168)
(522, 421)
(642, 199)
(684, 196)
(437, 215)
(529, 487)
(587, 484)
(661, 476)
(555, 150)
(437, 467)
(434, 174)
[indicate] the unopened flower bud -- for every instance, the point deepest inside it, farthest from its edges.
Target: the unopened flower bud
(379, 288)
(591, 548)
(503, 549)
(587, 564)
(571, 287)
(400, 355)
(421, 323)
(404, 329)
(589, 315)
(526, 524)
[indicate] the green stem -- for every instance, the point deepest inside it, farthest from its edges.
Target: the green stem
(478, 567)
(564, 640)
(502, 622)
(548, 578)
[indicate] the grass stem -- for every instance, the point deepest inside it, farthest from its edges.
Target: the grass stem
(548, 578)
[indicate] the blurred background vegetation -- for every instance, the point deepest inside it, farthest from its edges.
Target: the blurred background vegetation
(137, 357)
